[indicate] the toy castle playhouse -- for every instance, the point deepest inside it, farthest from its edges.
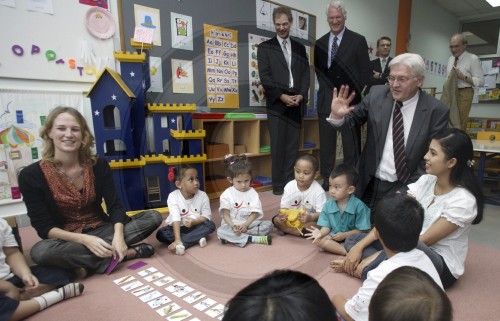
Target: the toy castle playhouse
(142, 143)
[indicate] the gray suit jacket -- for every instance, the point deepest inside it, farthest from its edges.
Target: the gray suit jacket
(376, 111)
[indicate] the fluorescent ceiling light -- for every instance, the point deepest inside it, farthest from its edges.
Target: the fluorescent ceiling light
(494, 3)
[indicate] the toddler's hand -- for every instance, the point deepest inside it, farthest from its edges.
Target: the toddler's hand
(243, 228)
(314, 235)
(304, 216)
(188, 222)
(237, 229)
(339, 237)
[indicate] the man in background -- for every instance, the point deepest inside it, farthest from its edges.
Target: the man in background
(340, 58)
(285, 75)
(469, 74)
(380, 66)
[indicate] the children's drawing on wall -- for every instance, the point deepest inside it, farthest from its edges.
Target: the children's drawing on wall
(182, 76)
(181, 27)
(257, 97)
(155, 68)
(302, 25)
(21, 116)
(149, 18)
(264, 15)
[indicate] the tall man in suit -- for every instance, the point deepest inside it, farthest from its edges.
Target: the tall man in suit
(340, 58)
(285, 75)
(383, 167)
(380, 66)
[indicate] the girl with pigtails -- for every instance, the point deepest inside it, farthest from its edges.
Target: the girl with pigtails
(240, 206)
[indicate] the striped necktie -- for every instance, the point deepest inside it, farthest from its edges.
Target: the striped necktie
(333, 50)
(398, 143)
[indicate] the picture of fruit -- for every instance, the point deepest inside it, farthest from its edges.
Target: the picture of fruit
(179, 72)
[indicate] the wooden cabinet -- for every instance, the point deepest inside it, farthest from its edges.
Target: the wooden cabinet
(246, 135)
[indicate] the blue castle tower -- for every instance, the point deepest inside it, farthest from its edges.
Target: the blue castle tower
(120, 114)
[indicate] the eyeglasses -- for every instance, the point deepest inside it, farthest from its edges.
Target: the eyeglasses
(400, 80)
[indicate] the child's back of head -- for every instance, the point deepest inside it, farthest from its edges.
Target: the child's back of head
(398, 220)
(281, 295)
(408, 293)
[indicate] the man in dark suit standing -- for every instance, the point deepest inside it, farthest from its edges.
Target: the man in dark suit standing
(380, 66)
(400, 113)
(340, 58)
(285, 75)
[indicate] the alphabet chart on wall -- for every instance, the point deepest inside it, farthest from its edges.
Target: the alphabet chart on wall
(221, 61)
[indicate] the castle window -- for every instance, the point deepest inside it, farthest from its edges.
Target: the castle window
(153, 188)
(164, 122)
(166, 147)
(114, 147)
(111, 116)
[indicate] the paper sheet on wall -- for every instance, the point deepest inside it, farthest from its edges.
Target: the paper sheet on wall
(155, 72)
(149, 18)
(182, 76)
(181, 27)
(221, 63)
(256, 94)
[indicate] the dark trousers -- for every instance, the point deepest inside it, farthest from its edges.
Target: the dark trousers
(189, 235)
(351, 144)
(284, 132)
(328, 146)
(376, 190)
(70, 255)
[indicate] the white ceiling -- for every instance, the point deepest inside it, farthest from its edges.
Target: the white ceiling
(470, 9)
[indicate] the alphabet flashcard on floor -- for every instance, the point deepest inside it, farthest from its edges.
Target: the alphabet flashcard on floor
(151, 288)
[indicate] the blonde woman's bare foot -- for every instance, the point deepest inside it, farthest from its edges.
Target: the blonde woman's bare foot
(337, 266)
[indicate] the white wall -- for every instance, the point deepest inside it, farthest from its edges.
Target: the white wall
(431, 28)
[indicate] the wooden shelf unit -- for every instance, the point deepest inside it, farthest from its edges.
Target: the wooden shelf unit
(252, 133)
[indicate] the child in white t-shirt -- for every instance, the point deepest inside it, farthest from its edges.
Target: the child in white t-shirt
(189, 220)
(303, 195)
(398, 221)
(240, 207)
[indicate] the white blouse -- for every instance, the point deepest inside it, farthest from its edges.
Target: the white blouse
(458, 207)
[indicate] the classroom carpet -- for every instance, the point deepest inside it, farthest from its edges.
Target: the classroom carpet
(196, 286)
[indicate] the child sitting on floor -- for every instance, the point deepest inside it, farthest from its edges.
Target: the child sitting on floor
(304, 195)
(240, 206)
(188, 222)
(398, 222)
(26, 290)
(344, 214)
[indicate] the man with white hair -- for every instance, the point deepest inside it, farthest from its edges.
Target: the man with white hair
(340, 58)
(401, 120)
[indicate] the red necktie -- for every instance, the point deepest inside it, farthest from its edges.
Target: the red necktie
(398, 143)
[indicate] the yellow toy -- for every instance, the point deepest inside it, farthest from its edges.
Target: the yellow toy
(292, 219)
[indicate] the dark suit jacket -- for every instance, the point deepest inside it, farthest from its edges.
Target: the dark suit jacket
(376, 110)
(351, 66)
(377, 66)
(274, 74)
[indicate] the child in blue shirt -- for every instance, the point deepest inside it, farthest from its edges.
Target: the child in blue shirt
(344, 214)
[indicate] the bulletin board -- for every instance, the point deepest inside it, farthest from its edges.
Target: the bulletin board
(28, 36)
(239, 16)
